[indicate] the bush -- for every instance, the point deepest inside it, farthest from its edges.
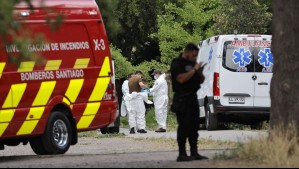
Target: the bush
(122, 66)
(148, 67)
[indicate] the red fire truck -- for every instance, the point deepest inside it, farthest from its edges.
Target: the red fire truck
(46, 104)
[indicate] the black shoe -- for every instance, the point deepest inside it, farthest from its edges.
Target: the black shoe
(199, 157)
(161, 130)
(184, 159)
(142, 131)
(132, 131)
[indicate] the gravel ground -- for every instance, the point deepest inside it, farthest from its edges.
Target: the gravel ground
(227, 135)
(90, 152)
(129, 152)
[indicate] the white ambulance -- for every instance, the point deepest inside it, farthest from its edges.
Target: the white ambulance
(238, 76)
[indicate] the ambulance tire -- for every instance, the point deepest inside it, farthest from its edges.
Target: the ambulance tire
(58, 134)
(211, 120)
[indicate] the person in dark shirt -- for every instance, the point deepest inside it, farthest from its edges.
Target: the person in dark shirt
(187, 76)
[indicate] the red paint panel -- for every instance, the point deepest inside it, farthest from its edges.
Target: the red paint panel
(84, 32)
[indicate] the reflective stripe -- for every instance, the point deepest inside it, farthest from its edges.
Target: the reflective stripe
(32, 120)
(2, 66)
(26, 67)
(5, 118)
(106, 69)
(97, 95)
(3, 127)
(88, 115)
(100, 89)
(102, 83)
(15, 95)
(53, 65)
(44, 94)
(74, 89)
(66, 101)
(82, 63)
(6, 115)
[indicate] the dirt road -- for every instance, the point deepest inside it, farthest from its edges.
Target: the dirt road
(133, 152)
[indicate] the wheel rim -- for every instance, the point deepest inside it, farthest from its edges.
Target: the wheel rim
(60, 133)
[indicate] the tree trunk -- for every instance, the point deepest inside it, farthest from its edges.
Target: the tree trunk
(285, 83)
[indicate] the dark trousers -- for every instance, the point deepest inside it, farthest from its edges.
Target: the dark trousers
(188, 126)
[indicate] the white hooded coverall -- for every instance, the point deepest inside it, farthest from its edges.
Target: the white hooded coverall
(160, 93)
(136, 108)
(125, 90)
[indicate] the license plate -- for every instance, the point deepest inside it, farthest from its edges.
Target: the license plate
(237, 100)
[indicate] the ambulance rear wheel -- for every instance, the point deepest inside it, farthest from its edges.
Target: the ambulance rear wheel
(58, 134)
(211, 120)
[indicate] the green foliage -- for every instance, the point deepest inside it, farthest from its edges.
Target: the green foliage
(108, 10)
(246, 16)
(138, 19)
(148, 67)
(122, 66)
(188, 22)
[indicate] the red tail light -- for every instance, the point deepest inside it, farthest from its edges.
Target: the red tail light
(216, 84)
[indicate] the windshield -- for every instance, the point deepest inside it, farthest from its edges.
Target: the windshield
(248, 56)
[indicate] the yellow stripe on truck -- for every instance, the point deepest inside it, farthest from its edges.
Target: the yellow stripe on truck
(66, 101)
(88, 115)
(2, 66)
(76, 85)
(53, 65)
(98, 93)
(6, 115)
(26, 67)
(44, 93)
(102, 82)
(32, 120)
(15, 95)
(5, 118)
(81, 63)
(74, 89)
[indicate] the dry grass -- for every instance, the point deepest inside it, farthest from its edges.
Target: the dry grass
(280, 150)
(202, 143)
(95, 134)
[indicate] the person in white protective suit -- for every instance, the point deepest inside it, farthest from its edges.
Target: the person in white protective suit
(160, 93)
(135, 104)
(125, 91)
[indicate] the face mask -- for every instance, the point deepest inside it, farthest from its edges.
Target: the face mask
(155, 77)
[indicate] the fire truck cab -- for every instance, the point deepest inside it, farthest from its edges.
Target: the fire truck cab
(72, 90)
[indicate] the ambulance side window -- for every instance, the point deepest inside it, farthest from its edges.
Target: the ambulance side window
(230, 62)
(264, 60)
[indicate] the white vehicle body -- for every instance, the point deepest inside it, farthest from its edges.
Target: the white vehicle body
(238, 77)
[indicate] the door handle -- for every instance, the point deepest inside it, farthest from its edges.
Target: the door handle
(263, 84)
